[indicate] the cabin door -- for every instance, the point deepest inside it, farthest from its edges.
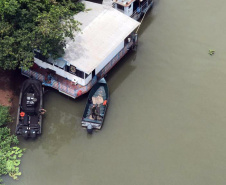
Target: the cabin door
(93, 73)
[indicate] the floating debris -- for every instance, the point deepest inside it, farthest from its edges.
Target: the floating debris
(211, 52)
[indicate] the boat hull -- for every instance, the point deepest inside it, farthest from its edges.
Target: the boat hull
(29, 117)
(98, 99)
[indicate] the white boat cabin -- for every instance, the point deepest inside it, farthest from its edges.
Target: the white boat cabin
(133, 8)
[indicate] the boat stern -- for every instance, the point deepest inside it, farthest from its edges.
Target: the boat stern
(89, 125)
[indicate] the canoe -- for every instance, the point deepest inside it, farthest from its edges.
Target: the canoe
(96, 107)
(29, 115)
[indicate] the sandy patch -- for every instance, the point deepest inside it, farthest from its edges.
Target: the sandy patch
(6, 91)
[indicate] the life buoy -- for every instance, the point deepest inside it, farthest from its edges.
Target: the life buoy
(79, 93)
(22, 114)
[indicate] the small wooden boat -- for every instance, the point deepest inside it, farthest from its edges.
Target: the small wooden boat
(29, 115)
(96, 106)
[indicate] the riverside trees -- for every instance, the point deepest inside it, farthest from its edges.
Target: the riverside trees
(26, 25)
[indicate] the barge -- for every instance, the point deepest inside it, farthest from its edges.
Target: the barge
(106, 36)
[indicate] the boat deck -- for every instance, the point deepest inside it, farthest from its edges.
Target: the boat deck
(29, 118)
(51, 79)
(51, 75)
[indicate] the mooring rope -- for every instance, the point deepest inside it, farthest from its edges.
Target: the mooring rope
(141, 21)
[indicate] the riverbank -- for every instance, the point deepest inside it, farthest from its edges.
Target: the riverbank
(6, 88)
(10, 83)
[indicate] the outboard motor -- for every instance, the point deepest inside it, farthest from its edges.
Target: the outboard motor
(89, 129)
(25, 133)
(33, 133)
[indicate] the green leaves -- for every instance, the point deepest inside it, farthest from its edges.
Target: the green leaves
(8, 7)
(9, 155)
(4, 115)
(26, 25)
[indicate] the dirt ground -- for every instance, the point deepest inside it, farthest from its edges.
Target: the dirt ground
(6, 90)
(10, 83)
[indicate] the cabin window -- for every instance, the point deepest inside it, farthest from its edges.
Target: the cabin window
(40, 56)
(60, 63)
(74, 71)
(136, 5)
(120, 7)
(80, 74)
(67, 68)
(86, 75)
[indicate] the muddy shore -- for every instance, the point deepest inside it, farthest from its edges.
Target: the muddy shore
(10, 84)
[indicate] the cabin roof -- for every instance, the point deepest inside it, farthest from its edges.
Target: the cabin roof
(124, 2)
(103, 29)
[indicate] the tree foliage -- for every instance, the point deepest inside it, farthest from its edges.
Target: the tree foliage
(26, 25)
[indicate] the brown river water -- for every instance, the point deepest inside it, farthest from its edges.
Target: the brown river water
(166, 120)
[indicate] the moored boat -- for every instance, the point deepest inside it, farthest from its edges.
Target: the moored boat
(29, 115)
(96, 106)
(133, 8)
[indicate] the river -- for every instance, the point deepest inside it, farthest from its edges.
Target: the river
(166, 120)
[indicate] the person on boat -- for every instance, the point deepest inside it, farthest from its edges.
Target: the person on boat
(94, 112)
(42, 111)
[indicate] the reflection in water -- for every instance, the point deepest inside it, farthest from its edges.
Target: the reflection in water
(121, 71)
(60, 122)
(148, 19)
(59, 125)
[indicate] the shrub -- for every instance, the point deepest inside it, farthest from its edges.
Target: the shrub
(10, 154)
(4, 115)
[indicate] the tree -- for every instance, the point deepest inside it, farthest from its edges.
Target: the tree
(26, 25)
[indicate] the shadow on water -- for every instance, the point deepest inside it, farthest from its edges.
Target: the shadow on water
(148, 19)
(121, 71)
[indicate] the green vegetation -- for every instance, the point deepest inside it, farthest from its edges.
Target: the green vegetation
(26, 25)
(211, 52)
(9, 153)
(4, 115)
